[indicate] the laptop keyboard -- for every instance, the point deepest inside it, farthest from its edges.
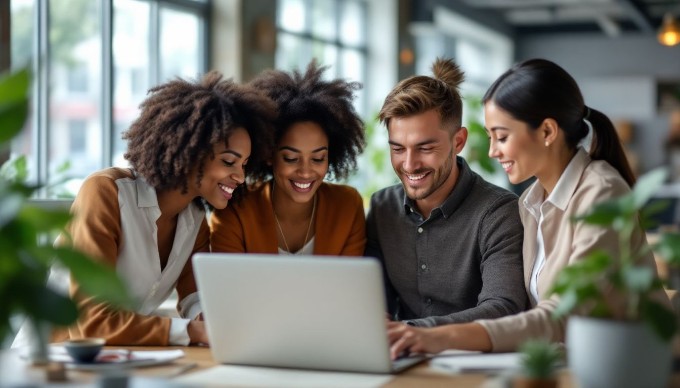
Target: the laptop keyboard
(406, 362)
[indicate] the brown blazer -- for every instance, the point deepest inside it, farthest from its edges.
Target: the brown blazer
(249, 226)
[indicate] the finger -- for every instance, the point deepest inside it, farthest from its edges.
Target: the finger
(395, 333)
(399, 347)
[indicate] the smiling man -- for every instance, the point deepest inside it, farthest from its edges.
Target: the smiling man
(450, 242)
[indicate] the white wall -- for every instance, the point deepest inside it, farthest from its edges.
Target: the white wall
(227, 33)
(619, 77)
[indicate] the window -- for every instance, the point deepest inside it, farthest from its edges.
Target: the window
(483, 55)
(77, 136)
(93, 62)
(332, 31)
(77, 78)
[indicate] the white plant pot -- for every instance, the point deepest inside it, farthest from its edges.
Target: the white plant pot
(606, 353)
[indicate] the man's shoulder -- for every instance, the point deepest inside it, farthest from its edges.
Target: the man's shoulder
(486, 191)
(389, 195)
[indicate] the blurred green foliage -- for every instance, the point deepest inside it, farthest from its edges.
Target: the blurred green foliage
(585, 285)
(24, 261)
(478, 140)
(540, 358)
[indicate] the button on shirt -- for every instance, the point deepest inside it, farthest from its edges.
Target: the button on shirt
(462, 262)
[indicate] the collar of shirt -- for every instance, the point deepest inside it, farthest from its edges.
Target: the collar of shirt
(146, 194)
(146, 198)
(465, 182)
(564, 189)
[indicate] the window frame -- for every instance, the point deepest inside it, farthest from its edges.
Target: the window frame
(40, 65)
(309, 38)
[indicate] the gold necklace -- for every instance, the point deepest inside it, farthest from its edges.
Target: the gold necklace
(309, 227)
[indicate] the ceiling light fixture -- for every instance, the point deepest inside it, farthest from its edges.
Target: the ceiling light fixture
(669, 33)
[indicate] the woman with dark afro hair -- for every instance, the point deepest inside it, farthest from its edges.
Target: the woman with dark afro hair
(188, 148)
(290, 209)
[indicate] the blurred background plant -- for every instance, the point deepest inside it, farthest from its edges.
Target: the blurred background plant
(24, 261)
(540, 359)
(582, 285)
(477, 146)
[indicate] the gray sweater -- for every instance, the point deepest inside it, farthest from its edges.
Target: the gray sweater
(461, 264)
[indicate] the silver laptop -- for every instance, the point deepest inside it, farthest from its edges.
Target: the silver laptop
(306, 312)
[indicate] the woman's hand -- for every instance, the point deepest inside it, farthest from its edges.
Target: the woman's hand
(410, 339)
(406, 339)
(197, 333)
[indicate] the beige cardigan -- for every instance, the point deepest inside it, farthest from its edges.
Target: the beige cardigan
(565, 243)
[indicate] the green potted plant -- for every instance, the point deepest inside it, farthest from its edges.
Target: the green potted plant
(538, 364)
(25, 261)
(668, 250)
(605, 349)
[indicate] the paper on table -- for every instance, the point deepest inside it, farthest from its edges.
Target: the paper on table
(461, 361)
(117, 358)
(250, 376)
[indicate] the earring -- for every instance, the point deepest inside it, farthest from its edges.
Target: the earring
(547, 143)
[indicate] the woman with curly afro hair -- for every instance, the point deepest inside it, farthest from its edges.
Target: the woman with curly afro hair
(290, 209)
(188, 148)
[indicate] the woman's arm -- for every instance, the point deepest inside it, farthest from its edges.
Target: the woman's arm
(404, 338)
(96, 231)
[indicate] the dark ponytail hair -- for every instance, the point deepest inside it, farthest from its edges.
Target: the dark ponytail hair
(537, 89)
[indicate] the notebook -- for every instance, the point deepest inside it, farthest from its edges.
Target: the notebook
(305, 312)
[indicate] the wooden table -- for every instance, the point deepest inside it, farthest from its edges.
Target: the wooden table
(15, 371)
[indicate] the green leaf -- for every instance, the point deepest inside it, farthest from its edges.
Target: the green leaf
(647, 185)
(568, 301)
(15, 170)
(13, 103)
(578, 283)
(637, 279)
(43, 304)
(603, 213)
(662, 321)
(96, 279)
(539, 358)
(668, 248)
(650, 210)
(14, 87)
(44, 220)
(10, 205)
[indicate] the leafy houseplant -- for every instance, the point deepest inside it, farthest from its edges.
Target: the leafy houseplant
(668, 249)
(539, 362)
(586, 287)
(24, 261)
(478, 139)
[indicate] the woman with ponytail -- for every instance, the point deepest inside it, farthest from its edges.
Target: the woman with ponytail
(539, 126)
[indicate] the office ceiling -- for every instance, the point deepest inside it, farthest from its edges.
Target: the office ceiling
(611, 17)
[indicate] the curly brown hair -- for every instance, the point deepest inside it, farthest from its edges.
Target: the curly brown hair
(181, 121)
(421, 93)
(306, 97)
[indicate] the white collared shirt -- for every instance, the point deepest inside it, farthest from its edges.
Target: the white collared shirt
(138, 261)
(534, 203)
